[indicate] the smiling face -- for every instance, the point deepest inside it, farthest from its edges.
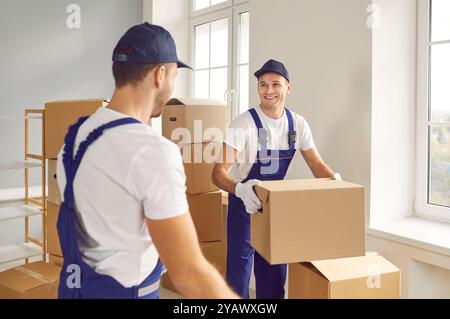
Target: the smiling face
(273, 89)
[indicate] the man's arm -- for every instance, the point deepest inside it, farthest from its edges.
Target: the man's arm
(316, 164)
(220, 176)
(177, 244)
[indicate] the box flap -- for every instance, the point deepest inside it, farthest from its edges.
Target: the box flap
(47, 271)
(263, 193)
(354, 267)
(306, 184)
(193, 101)
(103, 100)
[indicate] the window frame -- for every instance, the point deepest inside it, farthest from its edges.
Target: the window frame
(235, 92)
(231, 10)
(422, 207)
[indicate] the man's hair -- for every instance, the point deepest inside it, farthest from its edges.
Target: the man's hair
(130, 73)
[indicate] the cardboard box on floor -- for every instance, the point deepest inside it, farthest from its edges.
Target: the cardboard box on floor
(56, 260)
(59, 115)
(53, 245)
(308, 219)
(364, 277)
(37, 280)
(198, 161)
(54, 195)
(196, 117)
(206, 212)
(214, 252)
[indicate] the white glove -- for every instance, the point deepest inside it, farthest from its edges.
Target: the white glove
(246, 193)
(337, 176)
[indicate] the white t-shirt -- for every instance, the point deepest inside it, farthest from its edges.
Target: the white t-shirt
(242, 135)
(129, 173)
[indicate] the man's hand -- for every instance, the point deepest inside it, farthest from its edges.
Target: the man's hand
(246, 193)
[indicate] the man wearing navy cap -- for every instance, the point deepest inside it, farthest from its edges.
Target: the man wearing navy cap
(259, 145)
(124, 213)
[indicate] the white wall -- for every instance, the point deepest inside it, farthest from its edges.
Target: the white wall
(393, 112)
(173, 15)
(327, 47)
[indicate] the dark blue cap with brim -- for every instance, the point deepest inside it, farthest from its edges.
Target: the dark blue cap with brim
(273, 66)
(151, 44)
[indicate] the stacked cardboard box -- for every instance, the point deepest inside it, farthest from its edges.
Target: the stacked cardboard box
(306, 223)
(198, 127)
(58, 117)
(37, 280)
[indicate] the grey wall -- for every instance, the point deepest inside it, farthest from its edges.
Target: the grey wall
(42, 60)
(327, 48)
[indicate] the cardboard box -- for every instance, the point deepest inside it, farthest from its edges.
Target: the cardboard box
(365, 277)
(53, 246)
(309, 219)
(59, 115)
(214, 252)
(54, 195)
(37, 280)
(56, 260)
(203, 120)
(199, 161)
(206, 212)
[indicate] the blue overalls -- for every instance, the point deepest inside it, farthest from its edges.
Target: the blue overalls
(270, 279)
(78, 279)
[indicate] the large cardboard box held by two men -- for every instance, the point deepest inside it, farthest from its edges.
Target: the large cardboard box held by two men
(308, 219)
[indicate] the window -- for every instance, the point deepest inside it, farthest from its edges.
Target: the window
(220, 52)
(433, 110)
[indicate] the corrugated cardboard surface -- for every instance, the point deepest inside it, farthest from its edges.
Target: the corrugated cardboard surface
(59, 115)
(56, 260)
(215, 253)
(206, 212)
(54, 195)
(198, 166)
(32, 281)
(53, 246)
(306, 220)
(181, 113)
(365, 277)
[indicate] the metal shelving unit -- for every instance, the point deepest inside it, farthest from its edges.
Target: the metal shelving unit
(31, 247)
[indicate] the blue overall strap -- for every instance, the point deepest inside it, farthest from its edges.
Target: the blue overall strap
(69, 142)
(95, 134)
(292, 134)
(262, 133)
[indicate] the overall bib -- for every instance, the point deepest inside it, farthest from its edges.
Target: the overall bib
(270, 279)
(78, 279)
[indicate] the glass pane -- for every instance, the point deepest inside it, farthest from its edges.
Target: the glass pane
(440, 79)
(244, 37)
(213, 2)
(219, 43)
(201, 84)
(243, 89)
(439, 188)
(440, 20)
(202, 46)
(219, 83)
(200, 4)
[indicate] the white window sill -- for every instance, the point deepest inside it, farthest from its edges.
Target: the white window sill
(417, 232)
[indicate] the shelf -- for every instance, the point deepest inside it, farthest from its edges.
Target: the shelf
(17, 252)
(13, 212)
(19, 165)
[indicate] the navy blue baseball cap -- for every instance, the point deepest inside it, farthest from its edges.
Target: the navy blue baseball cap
(273, 66)
(152, 44)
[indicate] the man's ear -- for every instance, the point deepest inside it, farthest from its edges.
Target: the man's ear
(160, 74)
(289, 88)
